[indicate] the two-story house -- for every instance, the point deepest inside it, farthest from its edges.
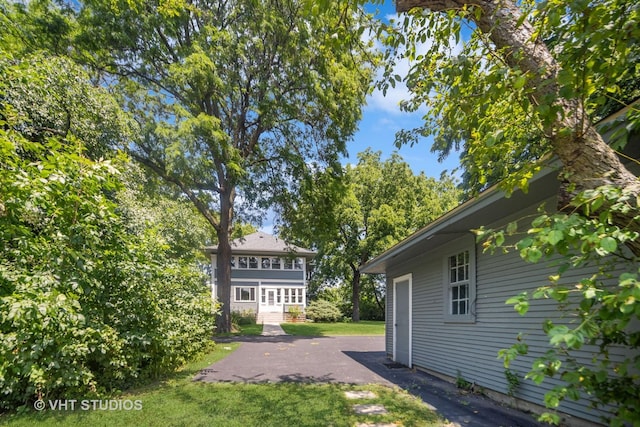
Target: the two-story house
(268, 275)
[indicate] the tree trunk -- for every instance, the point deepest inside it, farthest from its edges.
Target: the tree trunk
(588, 162)
(355, 297)
(223, 264)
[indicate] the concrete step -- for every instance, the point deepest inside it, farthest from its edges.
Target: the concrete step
(270, 317)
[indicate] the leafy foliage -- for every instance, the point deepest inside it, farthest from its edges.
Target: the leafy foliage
(235, 99)
(601, 309)
(352, 218)
(85, 305)
(323, 311)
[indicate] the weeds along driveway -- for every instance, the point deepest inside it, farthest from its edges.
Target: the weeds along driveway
(298, 359)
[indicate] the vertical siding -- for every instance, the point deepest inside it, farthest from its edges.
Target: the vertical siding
(470, 349)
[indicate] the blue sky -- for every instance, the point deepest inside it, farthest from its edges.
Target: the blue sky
(382, 118)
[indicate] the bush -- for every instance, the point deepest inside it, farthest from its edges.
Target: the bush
(323, 311)
(85, 306)
(244, 317)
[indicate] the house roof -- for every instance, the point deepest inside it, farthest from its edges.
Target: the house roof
(489, 206)
(260, 243)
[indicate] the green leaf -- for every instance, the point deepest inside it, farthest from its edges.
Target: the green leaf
(555, 236)
(609, 244)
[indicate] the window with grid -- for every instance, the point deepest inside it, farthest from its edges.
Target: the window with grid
(459, 284)
(245, 294)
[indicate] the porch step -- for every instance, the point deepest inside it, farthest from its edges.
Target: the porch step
(270, 318)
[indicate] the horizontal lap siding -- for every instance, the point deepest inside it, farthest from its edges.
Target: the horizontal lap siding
(471, 349)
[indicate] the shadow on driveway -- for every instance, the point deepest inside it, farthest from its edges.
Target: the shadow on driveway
(353, 360)
(464, 409)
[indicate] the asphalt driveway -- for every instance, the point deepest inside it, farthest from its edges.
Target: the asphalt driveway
(354, 360)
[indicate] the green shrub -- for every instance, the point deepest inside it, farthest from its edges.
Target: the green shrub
(85, 305)
(323, 311)
(244, 317)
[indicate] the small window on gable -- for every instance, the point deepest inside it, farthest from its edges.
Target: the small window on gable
(459, 289)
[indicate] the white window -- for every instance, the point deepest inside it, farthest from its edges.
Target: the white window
(263, 295)
(275, 263)
(233, 262)
(247, 294)
(298, 264)
(288, 264)
(253, 262)
(286, 296)
(459, 284)
(243, 262)
(266, 263)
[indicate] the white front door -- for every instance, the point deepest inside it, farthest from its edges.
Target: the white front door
(271, 300)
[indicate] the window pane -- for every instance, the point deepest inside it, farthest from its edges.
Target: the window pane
(463, 307)
(288, 264)
(453, 277)
(233, 262)
(298, 264)
(263, 296)
(454, 293)
(266, 263)
(242, 262)
(286, 296)
(463, 292)
(253, 294)
(461, 276)
(454, 308)
(299, 296)
(237, 294)
(275, 263)
(253, 262)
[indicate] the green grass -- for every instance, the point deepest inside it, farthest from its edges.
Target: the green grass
(180, 401)
(364, 327)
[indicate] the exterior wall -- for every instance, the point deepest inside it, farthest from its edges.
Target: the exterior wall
(470, 349)
(268, 274)
(261, 278)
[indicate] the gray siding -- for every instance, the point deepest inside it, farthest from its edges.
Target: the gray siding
(470, 349)
(268, 274)
(389, 317)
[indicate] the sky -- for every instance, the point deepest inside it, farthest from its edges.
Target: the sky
(382, 118)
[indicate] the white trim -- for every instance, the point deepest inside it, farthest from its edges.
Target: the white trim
(396, 280)
(470, 317)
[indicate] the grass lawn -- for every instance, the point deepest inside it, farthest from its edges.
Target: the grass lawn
(364, 327)
(179, 401)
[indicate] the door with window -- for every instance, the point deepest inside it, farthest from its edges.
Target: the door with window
(271, 300)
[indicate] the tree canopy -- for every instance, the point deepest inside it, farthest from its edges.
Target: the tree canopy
(234, 99)
(354, 218)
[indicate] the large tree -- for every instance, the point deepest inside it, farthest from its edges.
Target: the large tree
(509, 83)
(352, 218)
(528, 81)
(235, 98)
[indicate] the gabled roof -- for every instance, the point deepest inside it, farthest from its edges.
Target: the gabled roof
(489, 206)
(260, 243)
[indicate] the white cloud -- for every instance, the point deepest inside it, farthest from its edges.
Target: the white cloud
(390, 102)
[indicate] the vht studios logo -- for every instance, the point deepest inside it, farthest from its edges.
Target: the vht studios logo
(88, 405)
